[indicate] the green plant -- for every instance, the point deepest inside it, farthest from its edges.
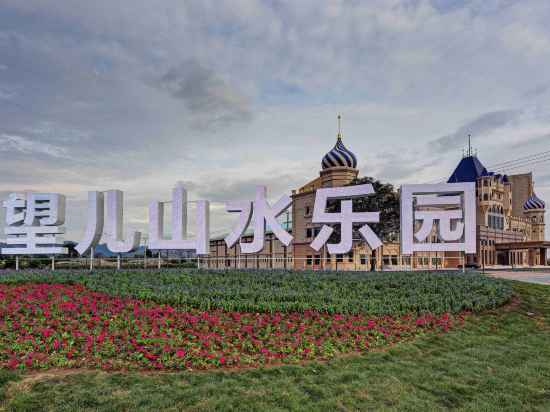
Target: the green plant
(290, 291)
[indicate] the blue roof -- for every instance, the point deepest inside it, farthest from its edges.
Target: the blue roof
(468, 170)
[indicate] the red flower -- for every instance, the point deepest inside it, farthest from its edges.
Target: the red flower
(13, 363)
(47, 332)
(200, 339)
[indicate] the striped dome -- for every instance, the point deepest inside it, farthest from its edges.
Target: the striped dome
(339, 156)
(533, 203)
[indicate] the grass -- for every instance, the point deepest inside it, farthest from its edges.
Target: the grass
(289, 291)
(499, 361)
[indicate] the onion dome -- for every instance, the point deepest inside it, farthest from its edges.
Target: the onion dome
(533, 203)
(339, 156)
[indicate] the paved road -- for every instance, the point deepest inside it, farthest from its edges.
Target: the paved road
(542, 278)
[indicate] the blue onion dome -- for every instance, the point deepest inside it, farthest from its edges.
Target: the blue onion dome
(533, 203)
(339, 156)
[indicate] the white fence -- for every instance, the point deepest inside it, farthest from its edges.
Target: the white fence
(344, 263)
(393, 263)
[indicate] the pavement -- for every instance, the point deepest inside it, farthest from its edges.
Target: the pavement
(540, 277)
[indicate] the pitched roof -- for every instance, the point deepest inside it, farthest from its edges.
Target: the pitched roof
(468, 170)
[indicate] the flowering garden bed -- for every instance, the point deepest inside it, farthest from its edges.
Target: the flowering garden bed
(379, 293)
(67, 324)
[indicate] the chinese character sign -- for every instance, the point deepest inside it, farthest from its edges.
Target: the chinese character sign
(111, 228)
(33, 222)
(345, 218)
(260, 212)
(179, 241)
(447, 211)
(439, 217)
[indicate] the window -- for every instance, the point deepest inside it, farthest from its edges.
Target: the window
(339, 258)
(363, 259)
(394, 260)
(317, 259)
(308, 232)
(309, 260)
(350, 256)
(386, 260)
(308, 211)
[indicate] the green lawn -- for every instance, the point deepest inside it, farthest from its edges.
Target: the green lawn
(500, 360)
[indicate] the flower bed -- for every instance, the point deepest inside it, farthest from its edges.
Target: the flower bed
(60, 325)
(383, 293)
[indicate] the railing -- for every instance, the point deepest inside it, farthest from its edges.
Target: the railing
(393, 263)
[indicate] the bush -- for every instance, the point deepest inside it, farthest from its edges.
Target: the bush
(287, 291)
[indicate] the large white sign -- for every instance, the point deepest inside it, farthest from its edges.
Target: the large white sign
(447, 211)
(346, 218)
(260, 213)
(33, 221)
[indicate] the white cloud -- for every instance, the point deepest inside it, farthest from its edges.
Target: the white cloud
(9, 143)
(137, 95)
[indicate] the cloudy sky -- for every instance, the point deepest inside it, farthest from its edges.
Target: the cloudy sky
(137, 95)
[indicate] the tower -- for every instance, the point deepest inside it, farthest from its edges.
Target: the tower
(533, 210)
(339, 166)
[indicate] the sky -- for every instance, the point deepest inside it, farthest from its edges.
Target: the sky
(223, 96)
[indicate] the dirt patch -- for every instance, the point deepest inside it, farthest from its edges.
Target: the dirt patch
(29, 379)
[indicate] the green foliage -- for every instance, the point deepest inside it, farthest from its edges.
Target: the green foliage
(499, 361)
(286, 291)
(385, 200)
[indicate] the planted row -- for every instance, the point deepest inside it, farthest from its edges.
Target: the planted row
(56, 325)
(382, 293)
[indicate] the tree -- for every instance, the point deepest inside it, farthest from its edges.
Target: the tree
(385, 200)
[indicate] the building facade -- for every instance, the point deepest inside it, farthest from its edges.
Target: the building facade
(510, 226)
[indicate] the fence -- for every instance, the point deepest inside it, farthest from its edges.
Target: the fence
(394, 263)
(254, 262)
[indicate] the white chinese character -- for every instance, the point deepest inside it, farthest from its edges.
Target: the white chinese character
(112, 229)
(260, 213)
(15, 209)
(447, 207)
(157, 238)
(33, 223)
(346, 218)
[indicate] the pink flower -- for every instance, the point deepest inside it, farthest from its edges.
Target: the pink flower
(13, 363)
(180, 353)
(101, 337)
(150, 356)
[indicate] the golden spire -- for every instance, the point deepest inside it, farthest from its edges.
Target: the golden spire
(339, 126)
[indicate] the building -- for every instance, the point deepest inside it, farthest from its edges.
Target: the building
(510, 216)
(510, 226)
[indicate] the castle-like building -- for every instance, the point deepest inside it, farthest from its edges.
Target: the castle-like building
(510, 226)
